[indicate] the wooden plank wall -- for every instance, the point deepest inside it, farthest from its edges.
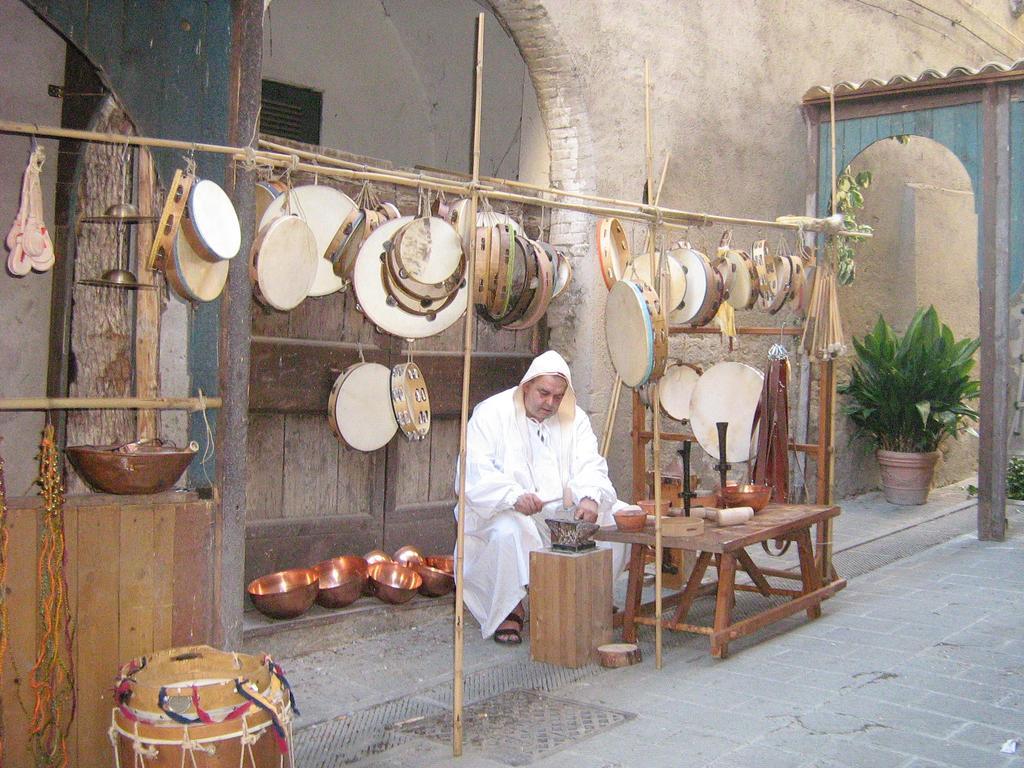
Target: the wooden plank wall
(140, 579)
(310, 497)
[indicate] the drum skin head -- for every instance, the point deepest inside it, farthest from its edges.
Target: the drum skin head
(196, 277)
(324, 210)
(727, 392)
(360, 409)
(741, 285)
(284, 262)
(214, 219)
(675, 389)
(630, 333)
(641, 266)
(696, 286)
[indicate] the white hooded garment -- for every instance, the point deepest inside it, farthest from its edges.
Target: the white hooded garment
(509, 454)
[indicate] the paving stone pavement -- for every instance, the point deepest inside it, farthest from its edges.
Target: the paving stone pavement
(918, 663)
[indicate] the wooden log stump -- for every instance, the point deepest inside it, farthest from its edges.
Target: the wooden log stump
(615, 655)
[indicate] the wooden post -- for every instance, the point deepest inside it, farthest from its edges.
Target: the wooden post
(147, 304)
(994, 315)
(467, 351)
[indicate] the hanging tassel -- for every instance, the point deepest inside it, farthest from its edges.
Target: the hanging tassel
(726, 321)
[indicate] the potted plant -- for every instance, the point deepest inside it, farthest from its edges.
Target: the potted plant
(906, 395)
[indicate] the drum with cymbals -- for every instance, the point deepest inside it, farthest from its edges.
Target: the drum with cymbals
(210, 221)
(525, 279)
(486, 252)
(563, 267)
(783, 261)
(425, 259)
(360, 410)
(376, 300)
(501, 273)
(744, 285)
(283, 262)
(636, 332)
(458, 217)
(542, 291)
(767, 279)
(410, 400)
(612, 250)
(324, 209)
(704, 290)
(726, 392)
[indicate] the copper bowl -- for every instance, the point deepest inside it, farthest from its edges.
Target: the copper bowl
(342, 581)
(745, 495)
(435, 581)
(375, 556)
(444, 563)
(408, 556)
(630, 519)
(394, 583)
(285, 594)
(131, 468)
(647, 505)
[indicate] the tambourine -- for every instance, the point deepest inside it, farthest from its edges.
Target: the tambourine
(767, 278)
(726, 392)
(457, 214)
(324, 209)
(524, 282)
(641, 268)
(744, 286)
(704, 291)
(542, 292)
(376, 299)
(783, 261)
(612, 250)
(501, 273)
(283, 262)
(636, 332)
(210, 221)
(425, 259)
(359, 408)
(563, 267)
(410, 400)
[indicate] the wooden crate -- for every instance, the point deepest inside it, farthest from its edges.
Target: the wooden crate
(570, 606)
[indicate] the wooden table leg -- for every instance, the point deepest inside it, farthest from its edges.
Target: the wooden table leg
(692, 587)
(634, 591)
(754, 572)
(809, 573)
(723, 604)
(823, 551)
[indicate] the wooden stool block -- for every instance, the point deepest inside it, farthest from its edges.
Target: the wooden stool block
(570, 606)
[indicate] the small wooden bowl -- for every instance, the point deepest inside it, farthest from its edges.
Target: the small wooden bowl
(285, 594)
(630, 520)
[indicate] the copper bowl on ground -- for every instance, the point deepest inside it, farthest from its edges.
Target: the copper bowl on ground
(435, 581)
(408, 556)
(394, 583)
(131, 468)
(375, 556)
(630, 519)
(444, 563)
(745, 495)
(285, 594)
(342, 581)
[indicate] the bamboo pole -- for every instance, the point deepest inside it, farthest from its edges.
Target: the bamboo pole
(460, 536)
(623, 209)
(190, 404)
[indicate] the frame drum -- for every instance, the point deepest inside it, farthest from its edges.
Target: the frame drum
(563, 267)
(266, 192)
(212, 222)
(704, 289)
(426, 258)
(636, 333)
(676, 387)
(193, 275)
(641, 267)
(767, 280)
(612, 250)
(324, 209)
(745, 286)
(542, 293)
(381, 308)
(783, 280)
(727, 392)
(458, 217)
(283, 262)
(360, 410)
(410, 400)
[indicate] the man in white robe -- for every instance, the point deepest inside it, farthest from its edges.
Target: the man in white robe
(531, 454)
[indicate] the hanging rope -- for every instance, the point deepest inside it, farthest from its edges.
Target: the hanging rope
(53, 675)
(4, 628)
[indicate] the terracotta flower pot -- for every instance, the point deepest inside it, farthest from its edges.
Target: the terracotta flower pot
(906, 477)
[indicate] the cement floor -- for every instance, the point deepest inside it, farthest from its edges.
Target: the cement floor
(917, 663)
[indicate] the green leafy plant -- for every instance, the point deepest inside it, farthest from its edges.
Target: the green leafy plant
(849, 200)
(1015, 478)
(909, 393)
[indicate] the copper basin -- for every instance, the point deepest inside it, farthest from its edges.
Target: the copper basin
(394, 583)
(630, 520)
(408, 556)
(342, 581)
(130, 468)
(285, 594)
(375, 556)
(745, 495)
(444, 563)
(435, 581)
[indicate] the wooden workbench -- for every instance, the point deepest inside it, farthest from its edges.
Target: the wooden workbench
(725, 547)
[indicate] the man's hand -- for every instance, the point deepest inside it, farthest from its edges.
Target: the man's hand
(529, 504)
(586, 510)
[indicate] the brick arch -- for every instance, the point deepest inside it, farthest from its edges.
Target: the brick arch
(560, 97)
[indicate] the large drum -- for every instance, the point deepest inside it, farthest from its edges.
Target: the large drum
(636, 332)
(360, 408)
(727, 392)
(201, 707)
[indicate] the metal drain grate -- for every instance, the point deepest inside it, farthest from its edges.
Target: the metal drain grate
(518, 727)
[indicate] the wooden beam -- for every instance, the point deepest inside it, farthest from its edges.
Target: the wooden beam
(147, 304)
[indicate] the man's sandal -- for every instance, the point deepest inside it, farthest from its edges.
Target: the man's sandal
(510, 635)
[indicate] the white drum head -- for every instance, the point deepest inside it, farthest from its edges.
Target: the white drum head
(675, 388)
(629, 333)
(431, 250)
(265, 193)
(284, 262)
(214, 219)
(695, 288)
(199, 277)
(360, 409)
(726, 392)
(324, 210)
(373, 297)
(459, 218)
(676, 278)
(740, 284)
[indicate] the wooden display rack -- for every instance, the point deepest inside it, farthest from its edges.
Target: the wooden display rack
(822, 451)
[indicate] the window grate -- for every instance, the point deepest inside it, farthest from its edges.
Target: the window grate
(290, 112)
